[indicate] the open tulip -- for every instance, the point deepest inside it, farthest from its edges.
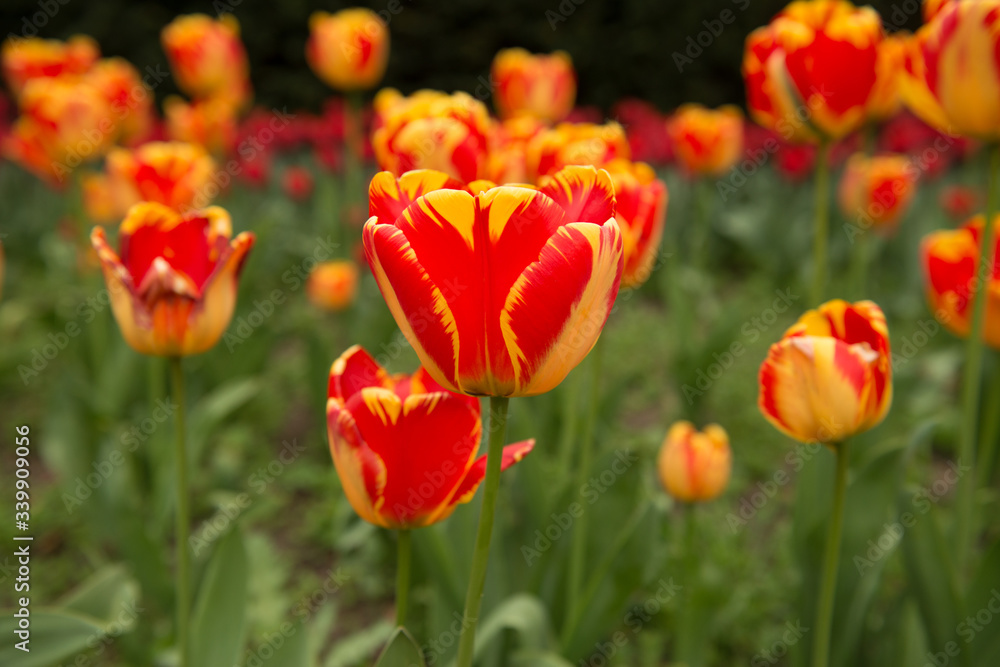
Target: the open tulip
(333, 285)
(501, 291)
(207, 57)
(830, 375)
(540, 86)
(951, 271)
(952, 71)
(574, 144)
(176, 174)
(876, 191)
(695, 465)
(33, 58)
(817, 58)
(348, 50)
(173, 284)
(433, 130)
(706, 141)
(641, 211)
(404, 447)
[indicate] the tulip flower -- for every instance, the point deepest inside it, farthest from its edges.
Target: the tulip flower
(510, 143)
(876, 191)
(641, 210)
(173, 283)
(695, 465)
(931, 8)
(211, 123)
(501, 291)
(959, 201)
(794, 69)
(574, 144)
(333, 285)
(887, 97)
(99, 200)
(297, 183)
(432, 130)
(404, 447)
(207, 57)
(349, 50)
(130, 99)
(26, 59)
(176, 174)
(539, 86)
(706, 141)
(830, 376)
(951, 266)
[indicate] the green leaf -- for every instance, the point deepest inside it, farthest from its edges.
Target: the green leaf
(212, 410)
(55, 635)
(293, 652)
(359, 646)
(401, 651)
(218, 624)
(525, 615)
(105, 595)
(984, 593)
(538, 659)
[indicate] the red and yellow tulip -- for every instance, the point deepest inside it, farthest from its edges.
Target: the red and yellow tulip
(34, 58)
(501, 291)
(951, 77)
(695, 465)
(211, 123)
(404, 447)
(887, 97)
(176, 174)
(333, 285)
(433, 130)
(830, 376)
(130, 99)
(173, 284)
(706, 141)
(951, 271)
(207, 57)
(641, 211)
(876, 191)
(510, 144)
(574, 144)
(349, 50)
(811, 72)
(539, 86)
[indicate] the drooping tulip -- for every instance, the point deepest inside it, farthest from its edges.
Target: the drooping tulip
(349, 50)
(539, 86)
(404, 447)
(641, 210)
(695, 465)
(173, 282)
(501, 291)
(830, 375)
(706, 141)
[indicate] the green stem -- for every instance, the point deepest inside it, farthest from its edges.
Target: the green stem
(973, 375)
(702, 227)
(402, 576)
(831, 561)
(690, 648)
(822, 222)
(578, 547)
(481, 553)
(990, 429)
(859, 264)
(183, 515)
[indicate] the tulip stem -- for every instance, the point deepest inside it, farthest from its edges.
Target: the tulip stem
(702, 228)
(990, 429)
(831, 561)
(481, 553)
(973, 374)
(578, 548)
(353, 143)
(183, 519)
(822, 222)
(859, 264)
(402, 576)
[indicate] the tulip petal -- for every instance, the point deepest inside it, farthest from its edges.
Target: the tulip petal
(470, 483)
(361, 471)
(353, 371)
(585, 193)
(389, 196)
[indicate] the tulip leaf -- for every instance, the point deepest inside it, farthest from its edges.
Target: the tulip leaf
(525, 614)
(359, 646)
(55, 635)
(984, 594)
(213, 409)
(108, 594)
(218, 623)
(401, 651)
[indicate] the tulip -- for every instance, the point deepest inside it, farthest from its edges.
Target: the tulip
(297, 183)
(26, 59)
(539, 86)
(501, 291)
(641, 210)
(887, 98)
(99, 200)
(959, 201)
(404, 447)
(952, 271)
(207, 57)
(333, 285)
(695, 465)
(830, 375)
(173, 285)
(510, 143)
(574, 144)
(130, 98)
(176, 174)
(706, 141)
(211, 123)
(796, 66)
(876, 191)
(432, 130)
(349, 50)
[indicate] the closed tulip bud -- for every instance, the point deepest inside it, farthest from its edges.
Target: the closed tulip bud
(349, 50)
(501, 291)
(574, 144)
(539, 86)
(641, 211)
(173, 283)
(952, 275)
(830, 376)
(176, 174)
(794, 69)
(706, 141)
(207, 57)
(333, 285)
(404, 447)
(26, 59)
(695, 465)
(876, 191)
